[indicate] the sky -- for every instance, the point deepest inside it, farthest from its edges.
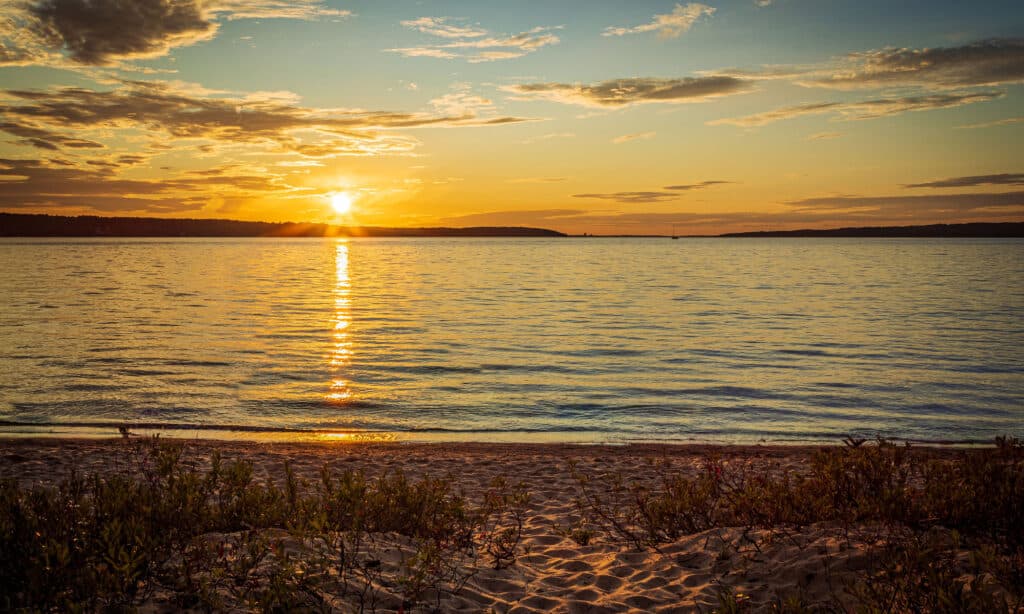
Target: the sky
(579, 116)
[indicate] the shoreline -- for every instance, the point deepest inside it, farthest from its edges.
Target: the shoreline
(231, 433)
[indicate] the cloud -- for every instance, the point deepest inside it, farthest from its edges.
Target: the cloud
(865, 109)
(767, 117)
(424, 52)
(625, 138)
(632, 197)
(999, 122)
(696, 186)
(884, 107)
(772, 72)
(625, 92)
(669, 192)
(980, 63)
(763, 3)
(103, 32)
(45, 139)
(306, 10)
(461, 102)
(439, 26)
(669, 25)
(164, 109)
(94, 32)
(474, 44)
(932, 204)
(33, 184)
(821, 136)
(75, 140)
(975, 180)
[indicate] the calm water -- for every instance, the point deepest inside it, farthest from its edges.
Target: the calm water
(566, 339)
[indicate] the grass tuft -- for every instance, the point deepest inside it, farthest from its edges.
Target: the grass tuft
(217, 538)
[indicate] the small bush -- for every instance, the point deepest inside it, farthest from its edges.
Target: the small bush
(204, 538)
(904, 493)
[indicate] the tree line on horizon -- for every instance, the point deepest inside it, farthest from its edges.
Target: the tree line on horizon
(43, 225)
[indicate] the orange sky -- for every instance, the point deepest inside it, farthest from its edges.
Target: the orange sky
(581, 117)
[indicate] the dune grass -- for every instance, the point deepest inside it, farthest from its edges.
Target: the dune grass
(946, 534)
(213, 538)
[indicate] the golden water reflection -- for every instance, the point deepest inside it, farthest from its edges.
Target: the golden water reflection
(368, 437)
(341, 344)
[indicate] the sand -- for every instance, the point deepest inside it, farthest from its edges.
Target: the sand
(553, 573)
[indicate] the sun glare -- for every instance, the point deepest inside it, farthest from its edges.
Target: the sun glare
(341, 202)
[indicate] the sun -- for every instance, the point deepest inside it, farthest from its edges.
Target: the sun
(341, 202)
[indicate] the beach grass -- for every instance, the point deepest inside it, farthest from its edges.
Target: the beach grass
(209, 539)
(864, 527)
(941, 534)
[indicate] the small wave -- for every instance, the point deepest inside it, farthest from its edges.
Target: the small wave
(529, 368)
(137, 372)
(603, 352)
(805, 352)
(85, 387)
(197, 363)
(422, 369)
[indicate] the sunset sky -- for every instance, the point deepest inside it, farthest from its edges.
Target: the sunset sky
(599, 117)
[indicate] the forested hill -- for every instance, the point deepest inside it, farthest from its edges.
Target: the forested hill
(1002, 229)
(40, 225)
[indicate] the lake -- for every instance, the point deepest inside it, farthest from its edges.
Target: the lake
(571, 339)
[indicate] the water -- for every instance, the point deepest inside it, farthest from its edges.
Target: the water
(517, 339)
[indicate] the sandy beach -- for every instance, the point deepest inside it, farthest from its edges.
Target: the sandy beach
(555, 570)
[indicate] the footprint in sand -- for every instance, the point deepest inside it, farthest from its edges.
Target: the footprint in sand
(607, 583)
(575, 566)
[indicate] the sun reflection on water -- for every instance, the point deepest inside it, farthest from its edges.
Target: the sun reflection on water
(341, 347)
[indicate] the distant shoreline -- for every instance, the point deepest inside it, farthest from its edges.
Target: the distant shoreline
(1005, 230)
(43, 225)
(971, 230)
(58, 226)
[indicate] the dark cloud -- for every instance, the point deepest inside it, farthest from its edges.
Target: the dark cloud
(964, 182)
(40, 184)
(632, 197)
(652, 196)
(88, 175)
(45, 139)
(623, 92)
(103, 32)
(178, 112)
(95, 31)
(980, 63)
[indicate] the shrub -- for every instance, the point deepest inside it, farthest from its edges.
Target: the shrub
(204, 537)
